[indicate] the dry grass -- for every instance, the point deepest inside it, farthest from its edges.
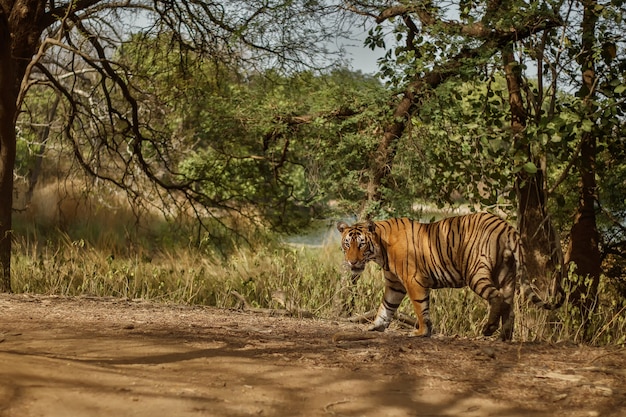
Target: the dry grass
(306, 279)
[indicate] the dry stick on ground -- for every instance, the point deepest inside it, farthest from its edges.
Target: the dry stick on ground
(327, 407)
(613, 352)
(352, 336)
(245, 306)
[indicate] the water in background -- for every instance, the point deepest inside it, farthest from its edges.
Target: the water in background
(320, 233)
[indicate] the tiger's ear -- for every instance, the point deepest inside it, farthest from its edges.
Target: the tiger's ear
(341, 226)
(371, 226)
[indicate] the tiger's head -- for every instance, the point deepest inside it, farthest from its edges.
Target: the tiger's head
(358, 244)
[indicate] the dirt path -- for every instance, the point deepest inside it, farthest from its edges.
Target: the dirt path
(110, 357)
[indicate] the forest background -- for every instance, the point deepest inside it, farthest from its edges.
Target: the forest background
(172, 160)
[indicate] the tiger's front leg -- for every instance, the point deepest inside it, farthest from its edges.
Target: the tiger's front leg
(392, 298)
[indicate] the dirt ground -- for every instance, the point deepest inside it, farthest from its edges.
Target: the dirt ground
(112, 357)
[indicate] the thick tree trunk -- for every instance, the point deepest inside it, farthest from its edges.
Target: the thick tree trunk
(20, 31)
(8, 98)
(7, 161)
(583, 250)
(544, 255)
(542, 246)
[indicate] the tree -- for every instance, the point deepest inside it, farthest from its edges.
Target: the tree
(583, 250)
(583, 57)
(543, 248)
(459, 48)
(70, 46)
(432, 51)
(544, 135)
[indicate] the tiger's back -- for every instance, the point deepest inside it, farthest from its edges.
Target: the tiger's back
(446, 252)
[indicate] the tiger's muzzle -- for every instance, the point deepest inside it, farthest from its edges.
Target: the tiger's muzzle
(356, 266)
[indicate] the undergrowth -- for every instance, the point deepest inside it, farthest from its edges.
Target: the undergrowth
(299, 278)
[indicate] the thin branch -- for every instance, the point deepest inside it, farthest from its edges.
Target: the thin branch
(476, 30)
(566, 170)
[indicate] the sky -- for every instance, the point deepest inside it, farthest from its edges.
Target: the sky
(361, 57)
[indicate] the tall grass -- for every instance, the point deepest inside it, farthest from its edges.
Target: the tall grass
(269, 277)
(275, 276)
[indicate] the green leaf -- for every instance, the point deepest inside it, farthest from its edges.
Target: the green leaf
(530, 167)
(587, 125)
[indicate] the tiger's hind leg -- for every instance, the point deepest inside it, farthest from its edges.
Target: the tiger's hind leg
(496, 309)
(500, 303)
(482, 284)
(507, 314)
(500, 308)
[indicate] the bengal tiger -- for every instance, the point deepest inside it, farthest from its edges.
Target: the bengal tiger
(478, 250)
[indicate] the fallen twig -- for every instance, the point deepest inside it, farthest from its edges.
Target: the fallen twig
(354, 336)
(327, 407)
(245, 306)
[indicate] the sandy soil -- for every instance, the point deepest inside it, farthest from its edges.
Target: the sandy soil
(112, 357)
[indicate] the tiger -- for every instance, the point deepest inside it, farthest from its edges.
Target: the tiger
(479, 250)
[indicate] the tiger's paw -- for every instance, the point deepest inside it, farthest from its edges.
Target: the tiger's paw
(423, 331)
(420, 333)
(377, 328)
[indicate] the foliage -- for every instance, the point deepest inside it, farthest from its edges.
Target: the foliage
(480, 168)
(271, 143)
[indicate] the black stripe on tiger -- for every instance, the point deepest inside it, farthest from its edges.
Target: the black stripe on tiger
(478, 250)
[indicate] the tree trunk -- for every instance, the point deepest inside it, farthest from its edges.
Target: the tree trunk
(8, 98)
(544, 256)
(20, 32)
(541, 244)
(583, 249)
